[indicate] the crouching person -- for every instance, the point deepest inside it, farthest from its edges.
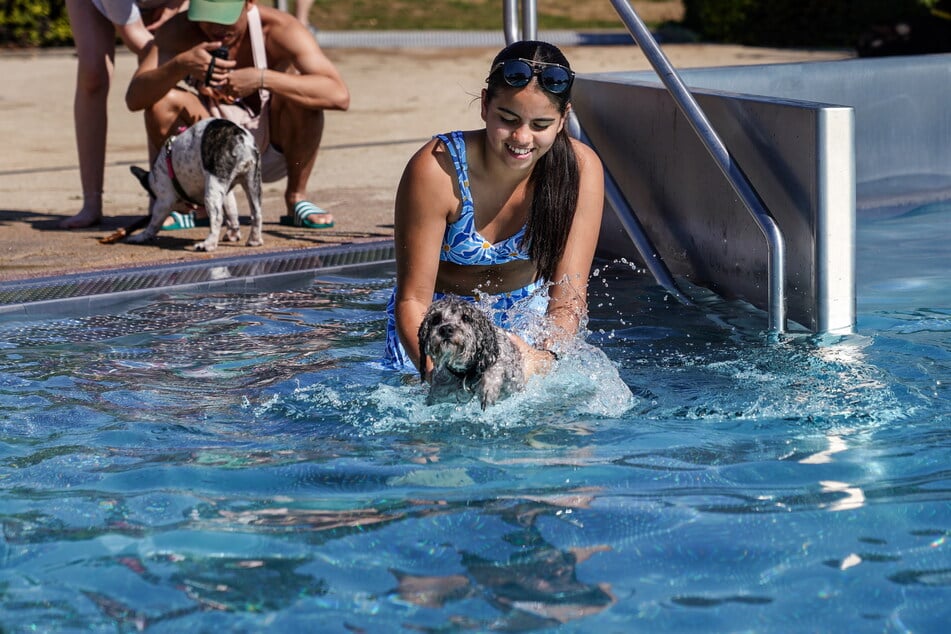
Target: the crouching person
(256, 66)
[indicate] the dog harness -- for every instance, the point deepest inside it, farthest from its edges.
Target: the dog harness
(462, 244)
(171, 175)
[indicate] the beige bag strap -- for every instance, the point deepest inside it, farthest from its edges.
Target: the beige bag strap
(258, 52)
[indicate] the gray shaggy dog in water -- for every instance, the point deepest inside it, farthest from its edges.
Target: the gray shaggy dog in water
(470, 354)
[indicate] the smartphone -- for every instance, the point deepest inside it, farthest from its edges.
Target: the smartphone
(218, 53)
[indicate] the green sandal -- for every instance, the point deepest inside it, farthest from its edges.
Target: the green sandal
(184, 221)
(301, 218)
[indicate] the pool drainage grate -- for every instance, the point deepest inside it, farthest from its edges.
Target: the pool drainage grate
(86, 292)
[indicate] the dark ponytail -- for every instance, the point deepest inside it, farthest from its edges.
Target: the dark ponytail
(555, 179)
(555, 184)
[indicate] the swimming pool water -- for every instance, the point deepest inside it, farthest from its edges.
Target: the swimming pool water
(243, 463)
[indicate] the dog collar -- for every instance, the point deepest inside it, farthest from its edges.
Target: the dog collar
(171, 174)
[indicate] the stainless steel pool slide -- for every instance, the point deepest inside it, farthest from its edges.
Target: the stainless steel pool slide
(813, 142)
(816, 141)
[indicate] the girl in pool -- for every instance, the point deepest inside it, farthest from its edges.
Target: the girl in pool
(511, 211)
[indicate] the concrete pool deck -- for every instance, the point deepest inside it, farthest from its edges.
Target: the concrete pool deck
(399, 98)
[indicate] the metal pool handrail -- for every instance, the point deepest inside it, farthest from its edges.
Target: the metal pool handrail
(741, 185)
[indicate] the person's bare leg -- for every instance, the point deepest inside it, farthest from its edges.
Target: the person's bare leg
(297, 133)
(94, 36)
(175, 110)
(302, 11)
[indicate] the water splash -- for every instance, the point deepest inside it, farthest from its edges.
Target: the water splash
(584, 383)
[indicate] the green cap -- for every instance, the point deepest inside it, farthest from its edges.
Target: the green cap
(217, 11)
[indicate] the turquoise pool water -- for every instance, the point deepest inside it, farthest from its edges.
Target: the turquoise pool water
(242, 463)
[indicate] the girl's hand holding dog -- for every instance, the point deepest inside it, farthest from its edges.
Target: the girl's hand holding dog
(535, 360)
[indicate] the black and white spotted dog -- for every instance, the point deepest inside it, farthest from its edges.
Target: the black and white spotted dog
(201, 166)
(470, 354)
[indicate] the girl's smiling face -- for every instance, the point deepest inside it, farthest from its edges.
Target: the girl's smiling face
(521, 124)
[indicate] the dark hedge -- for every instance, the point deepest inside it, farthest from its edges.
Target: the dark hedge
(28, 23)
(795, 22)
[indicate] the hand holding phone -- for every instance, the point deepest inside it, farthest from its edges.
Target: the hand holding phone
(218, 53)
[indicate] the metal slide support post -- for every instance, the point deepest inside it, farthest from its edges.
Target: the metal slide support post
(741, 185)
(528, 30)
(510, 21)
(529, 20)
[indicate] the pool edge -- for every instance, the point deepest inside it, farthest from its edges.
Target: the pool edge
(88, 291)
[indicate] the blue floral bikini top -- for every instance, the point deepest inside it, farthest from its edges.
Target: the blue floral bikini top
(462, 244)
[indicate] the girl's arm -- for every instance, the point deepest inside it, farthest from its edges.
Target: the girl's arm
(424, 200)
(136, 37)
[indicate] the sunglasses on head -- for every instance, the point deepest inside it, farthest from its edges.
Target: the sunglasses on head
(517, 73)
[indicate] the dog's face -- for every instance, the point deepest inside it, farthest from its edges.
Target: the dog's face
(458, 336)
(470, 354)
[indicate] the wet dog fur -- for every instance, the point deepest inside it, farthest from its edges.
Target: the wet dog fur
(470, 354)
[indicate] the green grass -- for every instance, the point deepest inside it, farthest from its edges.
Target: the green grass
(476, 15)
